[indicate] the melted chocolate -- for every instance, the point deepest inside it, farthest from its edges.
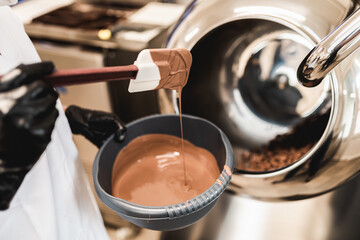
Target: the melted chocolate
(148, 171)
(151, 170)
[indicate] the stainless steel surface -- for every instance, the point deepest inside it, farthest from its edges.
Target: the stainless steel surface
(333, 49)
(245, 60)
(50, 26)
(90, 38)
(252, 81)
(105, 26)
(121, 2)
(332, 216)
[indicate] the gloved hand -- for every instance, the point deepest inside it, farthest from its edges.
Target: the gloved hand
(27, 119)
(96, 126)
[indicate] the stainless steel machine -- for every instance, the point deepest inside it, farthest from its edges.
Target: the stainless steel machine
(244, 78)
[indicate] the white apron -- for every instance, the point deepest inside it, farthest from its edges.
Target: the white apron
(54, 201)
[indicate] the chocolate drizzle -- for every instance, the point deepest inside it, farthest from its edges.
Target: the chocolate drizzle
(159, 169)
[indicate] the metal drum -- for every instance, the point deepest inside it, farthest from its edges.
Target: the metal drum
(244, 79)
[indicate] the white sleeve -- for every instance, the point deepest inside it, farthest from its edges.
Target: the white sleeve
(15, 45)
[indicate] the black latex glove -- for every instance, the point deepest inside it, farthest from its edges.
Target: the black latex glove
(25, 125)
(96, 126)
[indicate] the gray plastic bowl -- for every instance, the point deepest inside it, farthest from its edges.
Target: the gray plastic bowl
(200, 132)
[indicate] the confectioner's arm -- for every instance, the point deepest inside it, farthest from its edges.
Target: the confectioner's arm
(27, 119)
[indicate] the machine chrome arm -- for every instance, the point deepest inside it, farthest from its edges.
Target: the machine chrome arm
(334, 48)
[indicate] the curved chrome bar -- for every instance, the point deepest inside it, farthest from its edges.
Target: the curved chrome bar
(334, 48)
